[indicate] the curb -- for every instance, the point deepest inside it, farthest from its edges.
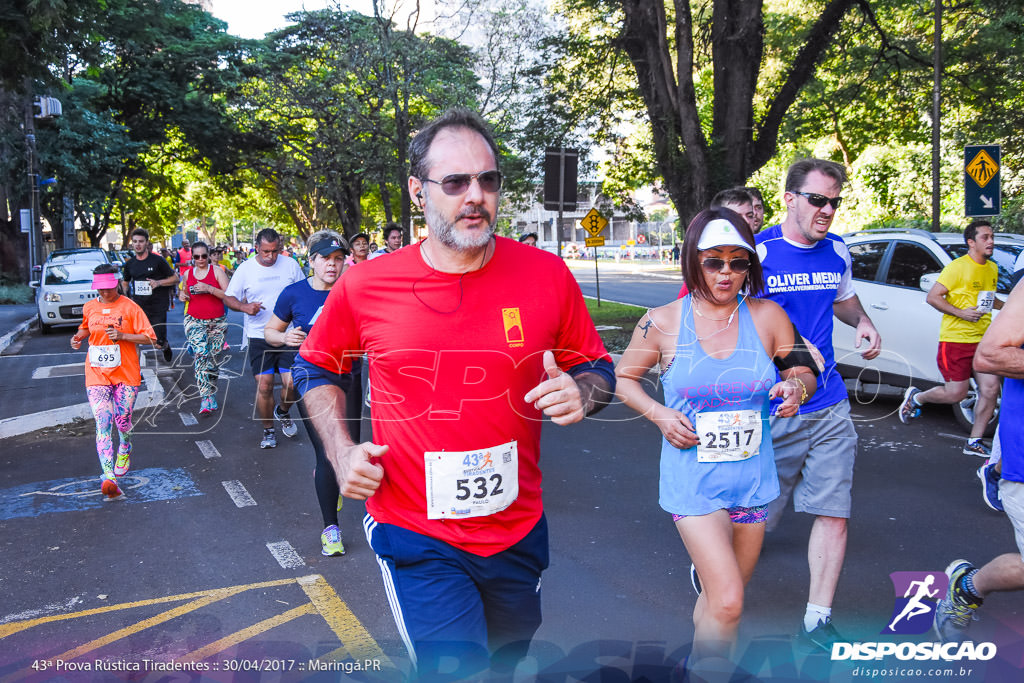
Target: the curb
(11, 336)
(23, 424)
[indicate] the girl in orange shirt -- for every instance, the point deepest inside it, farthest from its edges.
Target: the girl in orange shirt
(114, 324)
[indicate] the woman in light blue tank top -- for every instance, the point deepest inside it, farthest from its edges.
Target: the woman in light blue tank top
(717, 351)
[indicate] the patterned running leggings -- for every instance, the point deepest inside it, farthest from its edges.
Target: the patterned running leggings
(206, 337)
(112, 406)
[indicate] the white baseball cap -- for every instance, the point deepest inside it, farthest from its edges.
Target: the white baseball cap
(721, 233)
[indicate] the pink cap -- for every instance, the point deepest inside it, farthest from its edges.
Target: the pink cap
(105, 281)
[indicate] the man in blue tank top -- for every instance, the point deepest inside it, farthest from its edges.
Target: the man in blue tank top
(807, 272)
(1000, 352)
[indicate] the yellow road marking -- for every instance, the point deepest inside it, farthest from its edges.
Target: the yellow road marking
(74, 653)
(16, 627)
(246, 633)
(356, 639)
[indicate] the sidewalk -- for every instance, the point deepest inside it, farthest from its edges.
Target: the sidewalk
(15, 320)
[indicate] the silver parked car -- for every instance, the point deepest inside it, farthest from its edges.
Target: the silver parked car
(893, 270)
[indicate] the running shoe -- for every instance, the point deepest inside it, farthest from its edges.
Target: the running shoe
(990, 486)
(122, 464)
(213, 402)
(110, 488)
(909, 409)
(976, 447)
(330, 540)
(269, 439)
(288, 427)
(953, 614)
(822, 637)
(695, 579)
(168, 354)
(204, 406)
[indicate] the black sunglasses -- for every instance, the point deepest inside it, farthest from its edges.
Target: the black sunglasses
(457, 183)
(820, 200)
(200, 256)
(736, 265)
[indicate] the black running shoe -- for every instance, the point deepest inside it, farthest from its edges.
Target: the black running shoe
(821, 637)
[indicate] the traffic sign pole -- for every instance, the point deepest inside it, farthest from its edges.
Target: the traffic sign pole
(561, 197)
(594, 223)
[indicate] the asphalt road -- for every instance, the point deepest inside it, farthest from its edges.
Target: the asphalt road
(624, 284)
(180, 571)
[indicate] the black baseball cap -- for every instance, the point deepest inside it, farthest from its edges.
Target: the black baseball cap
(358, 235)
(327, 245)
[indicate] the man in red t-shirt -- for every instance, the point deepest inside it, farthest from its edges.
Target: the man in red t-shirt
(472, 339)
(184, 257)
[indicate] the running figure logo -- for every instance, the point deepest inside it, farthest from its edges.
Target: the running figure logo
(915, 596)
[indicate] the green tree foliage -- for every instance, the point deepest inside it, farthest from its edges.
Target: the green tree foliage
(328, 108)
(706, 94)
(150, 68)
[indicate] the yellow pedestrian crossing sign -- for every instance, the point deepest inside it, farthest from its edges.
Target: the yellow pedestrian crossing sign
(594, 222)
(982, 168)
(982, 187)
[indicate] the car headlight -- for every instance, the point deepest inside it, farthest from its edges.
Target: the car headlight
(51, 296)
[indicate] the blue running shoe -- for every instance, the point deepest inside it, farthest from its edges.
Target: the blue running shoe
(909, 409)
(990, 486)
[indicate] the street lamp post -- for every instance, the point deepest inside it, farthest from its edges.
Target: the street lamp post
(49, 108)
(33, 186)
(936, 112)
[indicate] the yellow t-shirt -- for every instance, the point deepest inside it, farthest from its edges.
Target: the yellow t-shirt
(966, 279)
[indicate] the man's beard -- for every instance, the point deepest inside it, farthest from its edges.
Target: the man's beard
(456, 240)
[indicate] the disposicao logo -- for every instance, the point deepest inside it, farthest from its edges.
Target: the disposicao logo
(915, 596)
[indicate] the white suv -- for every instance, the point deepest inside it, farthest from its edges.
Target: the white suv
(892, 272)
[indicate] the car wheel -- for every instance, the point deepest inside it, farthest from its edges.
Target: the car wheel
(44, 328)
(964, 413)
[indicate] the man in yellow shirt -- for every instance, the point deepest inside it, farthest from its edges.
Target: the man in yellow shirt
(965, 294)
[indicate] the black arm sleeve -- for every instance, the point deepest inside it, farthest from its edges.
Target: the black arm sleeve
(798, 355)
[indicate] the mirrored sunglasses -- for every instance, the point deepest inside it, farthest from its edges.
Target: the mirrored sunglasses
(820, 200)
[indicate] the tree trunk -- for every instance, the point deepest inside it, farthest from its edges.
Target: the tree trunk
(737, 44)
(693, 167)
(349, 209)
(679, 145)
(385, 199)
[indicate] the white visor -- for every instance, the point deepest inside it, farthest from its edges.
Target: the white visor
(721, 233)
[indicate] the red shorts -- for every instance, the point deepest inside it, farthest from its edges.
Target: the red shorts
(955, 360)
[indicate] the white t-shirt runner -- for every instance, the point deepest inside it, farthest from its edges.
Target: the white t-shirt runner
(253, 282)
